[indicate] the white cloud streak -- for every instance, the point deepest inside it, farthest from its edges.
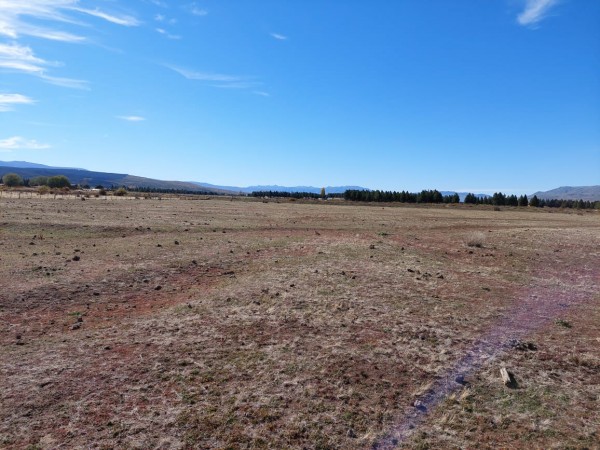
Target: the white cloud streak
(20, 18)
(8, 101)
(126, 21)
(217, 80)
(66, 82)
(20, 143)
(279, 37)
(19, 58)
(132, 118)
(535, 11)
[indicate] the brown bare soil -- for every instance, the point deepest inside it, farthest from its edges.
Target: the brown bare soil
(225, 324)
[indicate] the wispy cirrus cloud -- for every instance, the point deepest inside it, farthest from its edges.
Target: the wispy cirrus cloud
(9, 101)
(20, 58)
(66, 82)
(21, 143)
(16, 18)
(124, 20)
(279, 37)
(50, 20)
(535, 11)
(132, 118)
(218, 80)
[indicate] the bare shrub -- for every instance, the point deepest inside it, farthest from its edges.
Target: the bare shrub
(476, 239)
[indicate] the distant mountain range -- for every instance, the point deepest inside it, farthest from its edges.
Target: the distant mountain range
(82, 177)
(87, 177)
(30, 165)
(106, 179)
(586, 193)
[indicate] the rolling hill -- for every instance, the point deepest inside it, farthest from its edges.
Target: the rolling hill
(106, 179)
(586, 193)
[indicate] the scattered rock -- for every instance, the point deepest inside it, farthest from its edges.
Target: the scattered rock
(372, 247)
(176, 242)
(419, 405)
(460, 379)
(158, 288)
(76, 326)
(76, 258)
(507, 378)
(521, 345)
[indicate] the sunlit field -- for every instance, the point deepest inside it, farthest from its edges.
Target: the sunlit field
(231, 323)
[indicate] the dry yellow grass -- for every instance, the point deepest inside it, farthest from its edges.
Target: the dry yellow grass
(241, 324)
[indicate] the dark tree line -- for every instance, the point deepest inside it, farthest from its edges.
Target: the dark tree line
(498, 199)
(298, 195)
(425, 196)
(152, 190)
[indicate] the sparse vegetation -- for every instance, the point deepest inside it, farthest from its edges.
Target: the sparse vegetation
(219, 324)
(476, 239)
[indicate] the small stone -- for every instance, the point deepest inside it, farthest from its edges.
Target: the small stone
(176, 242)
(419, 405)
(76, 258)
(76, 326)
(158, 288)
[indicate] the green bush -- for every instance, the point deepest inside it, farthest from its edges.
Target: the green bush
(39, 181)
(12, 180)
(59, 181)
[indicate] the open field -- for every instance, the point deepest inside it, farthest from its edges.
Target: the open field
(242, 324)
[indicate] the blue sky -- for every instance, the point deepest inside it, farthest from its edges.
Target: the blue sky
(461, 95)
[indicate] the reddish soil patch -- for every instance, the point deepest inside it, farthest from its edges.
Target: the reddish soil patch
(218, 324)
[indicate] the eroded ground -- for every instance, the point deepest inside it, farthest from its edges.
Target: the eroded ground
(234, 324)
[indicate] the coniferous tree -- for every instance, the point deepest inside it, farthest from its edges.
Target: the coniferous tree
(523, 200)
